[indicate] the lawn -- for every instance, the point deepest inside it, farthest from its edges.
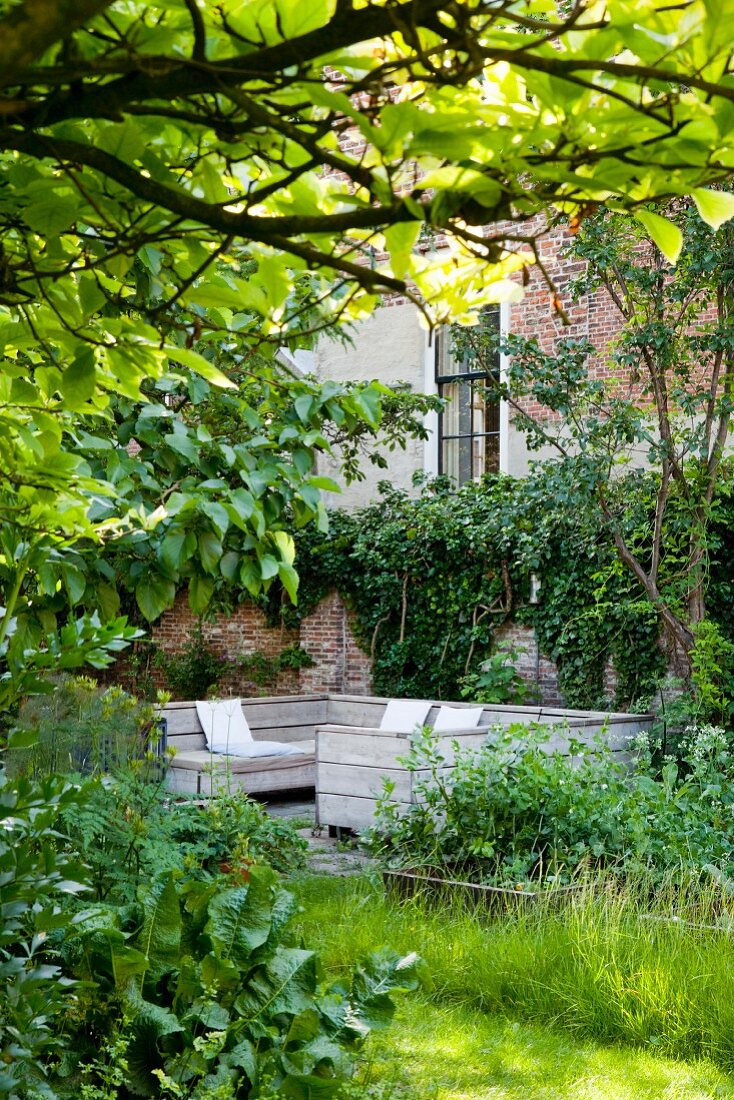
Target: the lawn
(588, 1003)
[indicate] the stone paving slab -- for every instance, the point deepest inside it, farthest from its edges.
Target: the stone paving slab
(329, 856)
(326, 855)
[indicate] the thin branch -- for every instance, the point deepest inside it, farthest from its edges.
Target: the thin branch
(199, 51)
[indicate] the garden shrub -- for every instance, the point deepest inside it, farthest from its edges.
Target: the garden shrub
(36, 874)
(128, 831)
(197, 992)
(81, 728)
(514, 811)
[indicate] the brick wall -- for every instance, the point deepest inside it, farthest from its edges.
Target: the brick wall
(326, 635)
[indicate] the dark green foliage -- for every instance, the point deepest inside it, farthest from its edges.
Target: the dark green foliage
(36, 873)
(515, 811)
(128, 831)
(206, 991)
(497, 681)
(190, 672)
(430, 580)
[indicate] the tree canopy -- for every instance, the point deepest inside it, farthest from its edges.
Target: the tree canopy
(185, 185)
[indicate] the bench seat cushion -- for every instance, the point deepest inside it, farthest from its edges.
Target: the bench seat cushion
(199, 760)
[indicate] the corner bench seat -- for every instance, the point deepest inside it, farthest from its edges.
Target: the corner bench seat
(351, 754)
(292, 719)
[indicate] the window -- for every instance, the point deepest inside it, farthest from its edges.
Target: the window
(469, 425)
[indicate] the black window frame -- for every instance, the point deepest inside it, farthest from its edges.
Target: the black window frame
(467, 375)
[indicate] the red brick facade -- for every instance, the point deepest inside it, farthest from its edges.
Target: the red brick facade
(326, 635)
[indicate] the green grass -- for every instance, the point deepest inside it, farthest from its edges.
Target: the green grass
(451, 1052)
(599, 1001)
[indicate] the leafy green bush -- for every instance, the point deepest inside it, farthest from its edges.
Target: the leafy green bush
(192, 671)
(197, 992)
(81, 728)
(514, 811)
(128, 831)
(497, 681)
(35, 876)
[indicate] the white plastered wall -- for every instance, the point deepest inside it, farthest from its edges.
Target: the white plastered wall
(389, 347)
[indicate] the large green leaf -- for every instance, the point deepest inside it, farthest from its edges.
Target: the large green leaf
(666, 235)
(286, 983)
(160, 936)
(154, 594)
(240, 919)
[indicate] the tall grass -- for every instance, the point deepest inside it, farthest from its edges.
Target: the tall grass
(609, 965)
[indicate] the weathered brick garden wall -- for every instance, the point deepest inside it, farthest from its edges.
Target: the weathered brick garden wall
(326, 635)
(536, 669)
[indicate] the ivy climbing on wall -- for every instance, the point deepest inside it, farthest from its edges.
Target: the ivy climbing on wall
(431, 578)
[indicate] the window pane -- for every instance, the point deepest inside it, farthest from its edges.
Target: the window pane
(470, 422)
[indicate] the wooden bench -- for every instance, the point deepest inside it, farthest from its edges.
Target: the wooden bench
(195, 770)
(345, 755)
(354, 759)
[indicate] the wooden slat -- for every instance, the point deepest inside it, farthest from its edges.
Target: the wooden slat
(359, 782)
(354, 712)
(347, 813)
(358, 748)
(182, 781)
(266, 713)
(261, 782)
(185, 741)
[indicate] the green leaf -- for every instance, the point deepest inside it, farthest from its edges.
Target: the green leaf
(286, 984)
(240, 919)
(154, 594)
(289, 579)
(108, 599)
(201, 590)
(22, 739)
(210, 551)
(160, 936)
(664, 233)
(79, 379)
(715, 207)
(268, 567)
(190, 358)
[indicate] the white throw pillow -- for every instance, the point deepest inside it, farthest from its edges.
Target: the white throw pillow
(266, 748)
(225, 726)
(458, 718)
(403, 715)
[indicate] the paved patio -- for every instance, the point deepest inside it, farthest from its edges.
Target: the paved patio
(326, 855)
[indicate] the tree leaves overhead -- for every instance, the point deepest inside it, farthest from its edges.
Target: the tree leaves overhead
(184, 184)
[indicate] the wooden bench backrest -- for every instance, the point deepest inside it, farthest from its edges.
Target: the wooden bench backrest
(276, 718)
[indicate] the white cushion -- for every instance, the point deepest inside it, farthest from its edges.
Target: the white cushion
(225, 726)
(403, 715)
(458, 718)
(266, 748)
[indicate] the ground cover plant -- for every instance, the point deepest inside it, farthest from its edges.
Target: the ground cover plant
(145, 948)
(517, 812)
(588, 985)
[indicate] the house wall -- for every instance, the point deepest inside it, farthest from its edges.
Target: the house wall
(392, 346)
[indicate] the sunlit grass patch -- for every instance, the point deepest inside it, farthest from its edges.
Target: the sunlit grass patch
(597, 971)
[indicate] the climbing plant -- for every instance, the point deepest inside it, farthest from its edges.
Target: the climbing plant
(431, 579)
